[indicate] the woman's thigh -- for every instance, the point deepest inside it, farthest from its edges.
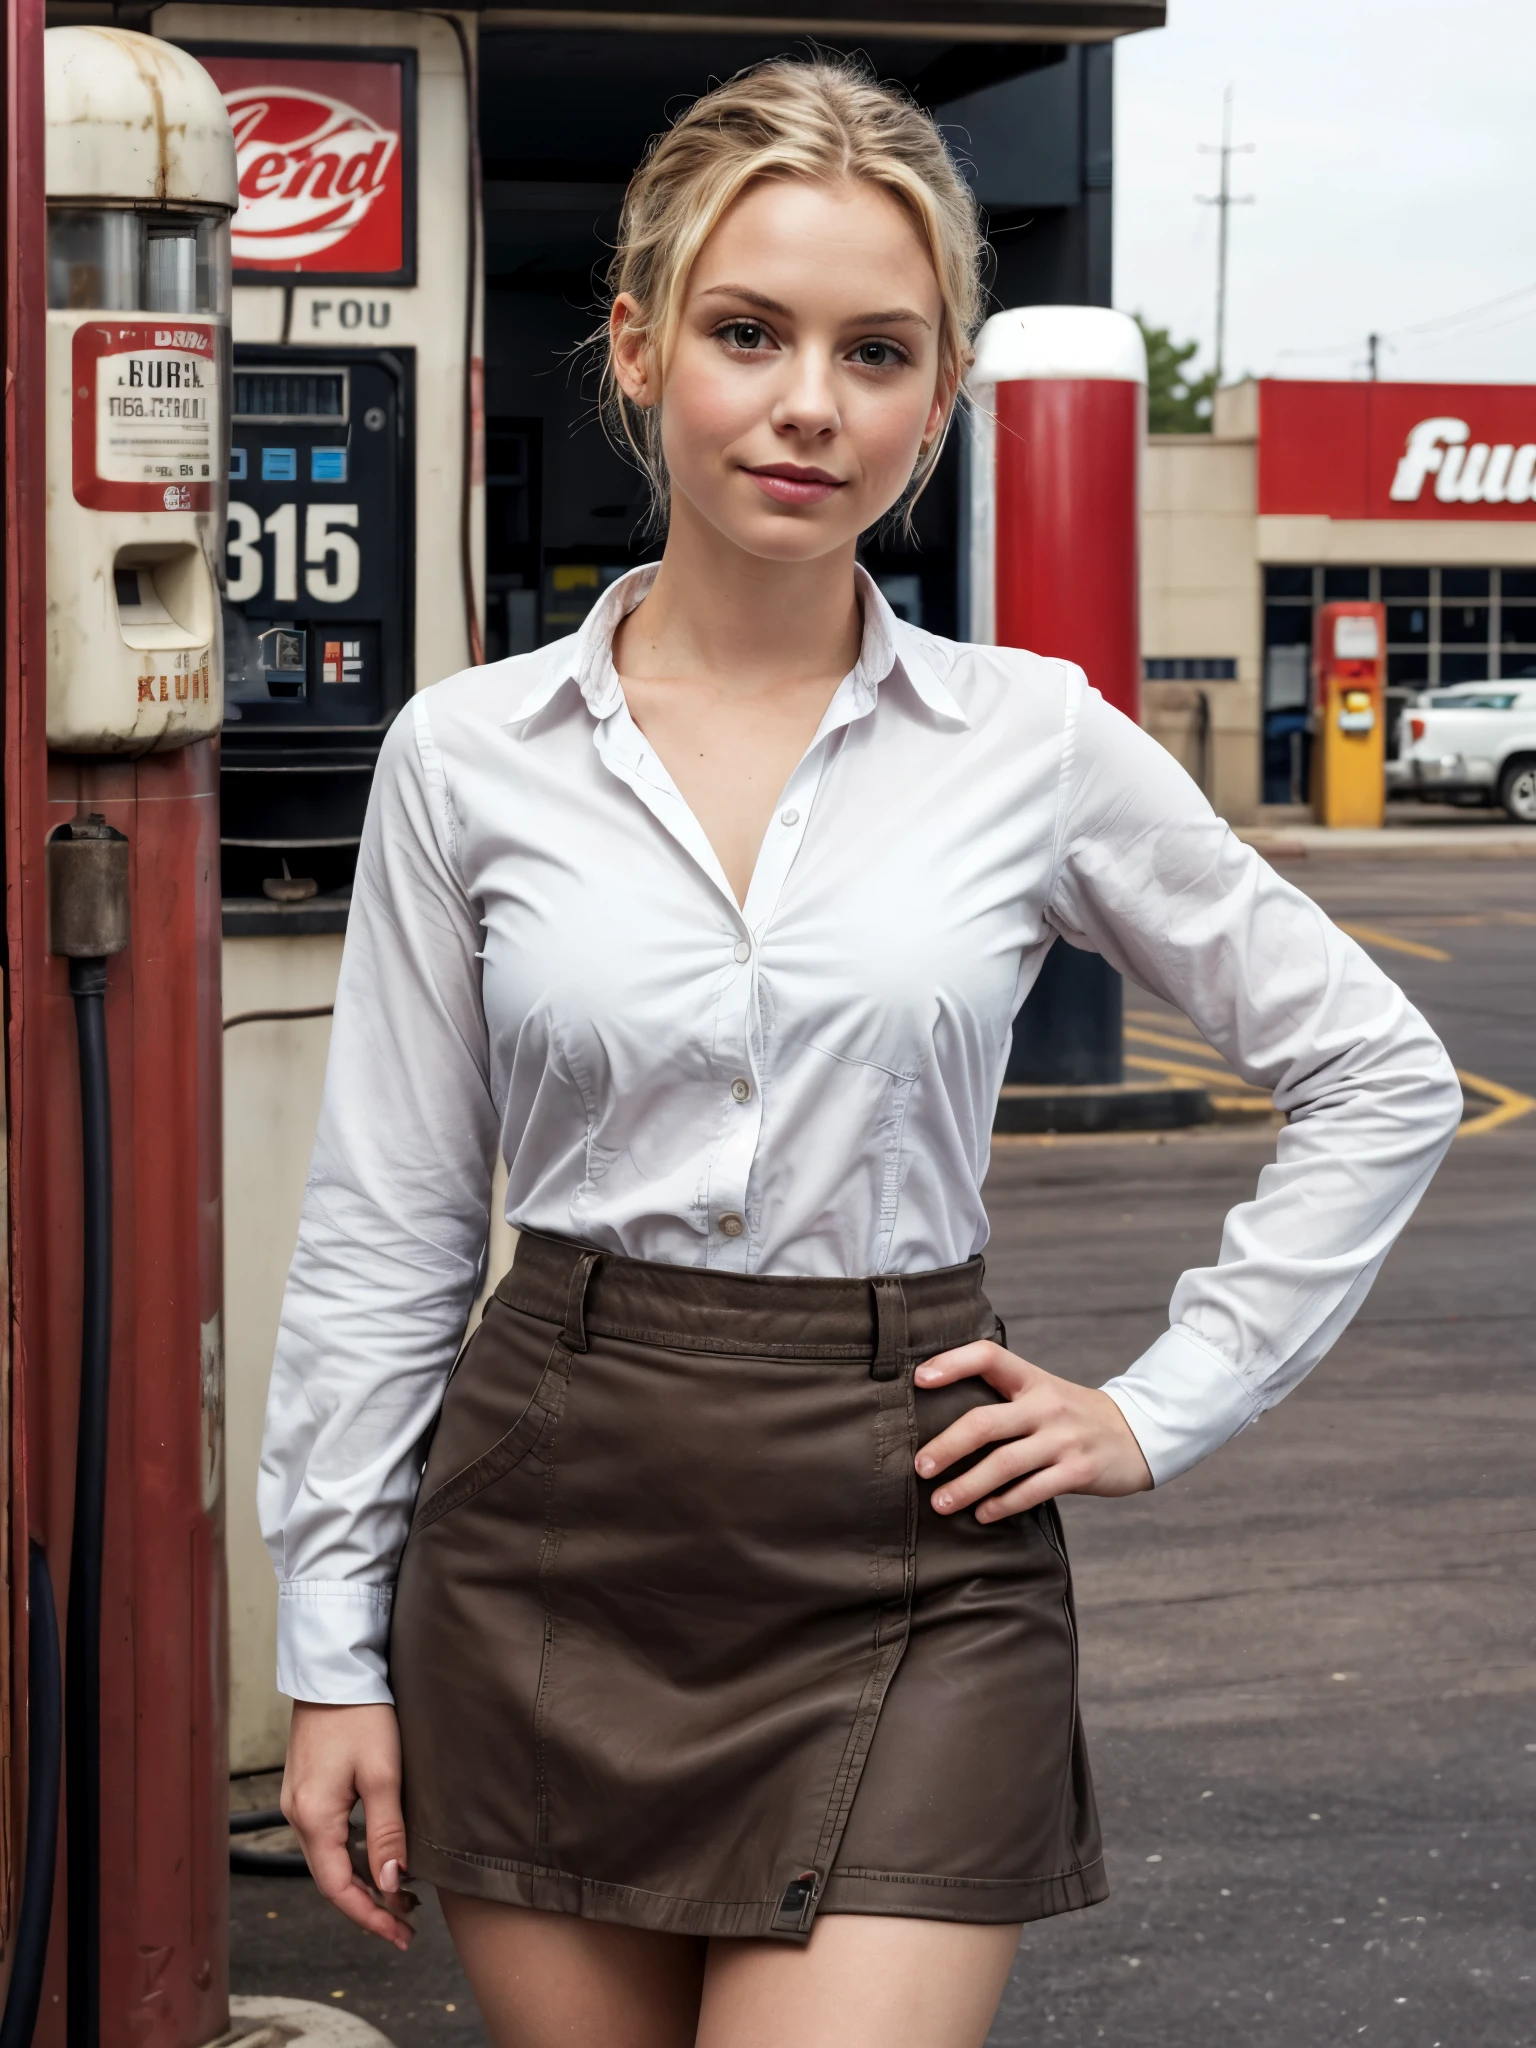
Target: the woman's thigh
(550, 1980)
(862, 1981)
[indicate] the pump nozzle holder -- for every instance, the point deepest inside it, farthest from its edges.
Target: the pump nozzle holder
(87, 890)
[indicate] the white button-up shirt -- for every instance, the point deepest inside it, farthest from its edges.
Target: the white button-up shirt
(544, 955)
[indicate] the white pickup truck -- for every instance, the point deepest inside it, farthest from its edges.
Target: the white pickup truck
(1475, 743)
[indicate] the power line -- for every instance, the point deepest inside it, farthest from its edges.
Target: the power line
(1395, 337)
(1223, 200)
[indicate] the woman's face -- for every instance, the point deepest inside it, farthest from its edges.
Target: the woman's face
(805, 376)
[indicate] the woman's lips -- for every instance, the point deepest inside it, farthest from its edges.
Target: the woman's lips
(795, 487)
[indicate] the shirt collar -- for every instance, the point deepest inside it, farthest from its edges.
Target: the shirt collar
(889, 644)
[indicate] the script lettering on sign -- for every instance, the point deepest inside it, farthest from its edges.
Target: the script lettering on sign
(1466, 472)
(320, 146)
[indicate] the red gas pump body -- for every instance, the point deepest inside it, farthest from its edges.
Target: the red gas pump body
(164, 1772)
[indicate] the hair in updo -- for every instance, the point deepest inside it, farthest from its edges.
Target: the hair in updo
(826, 119)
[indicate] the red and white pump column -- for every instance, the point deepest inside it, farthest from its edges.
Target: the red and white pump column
(1058, 425)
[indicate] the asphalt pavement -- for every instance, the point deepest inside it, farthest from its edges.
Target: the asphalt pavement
(1307, 1673)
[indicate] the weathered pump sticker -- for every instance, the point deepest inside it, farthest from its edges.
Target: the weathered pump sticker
(146, 416)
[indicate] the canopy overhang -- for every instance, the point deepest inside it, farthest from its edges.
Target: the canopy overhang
(992, 21)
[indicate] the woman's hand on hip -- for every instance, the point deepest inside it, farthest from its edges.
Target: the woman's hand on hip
(337, 1755)
(1051, 1437)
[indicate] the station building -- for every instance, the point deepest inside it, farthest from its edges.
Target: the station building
(1420, 497)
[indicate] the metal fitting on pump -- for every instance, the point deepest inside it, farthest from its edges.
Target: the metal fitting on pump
(87, 890)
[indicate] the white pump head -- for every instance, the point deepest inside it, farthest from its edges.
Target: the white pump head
(132, 119)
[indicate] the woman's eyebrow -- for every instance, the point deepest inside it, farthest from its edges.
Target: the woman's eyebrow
(898, 316)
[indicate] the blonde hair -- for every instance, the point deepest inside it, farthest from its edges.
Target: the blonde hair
(825, 120)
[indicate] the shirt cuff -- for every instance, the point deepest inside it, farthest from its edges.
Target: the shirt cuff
(333, 1642)
(1182, 1402)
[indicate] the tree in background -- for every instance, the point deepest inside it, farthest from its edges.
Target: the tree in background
(1177, 402)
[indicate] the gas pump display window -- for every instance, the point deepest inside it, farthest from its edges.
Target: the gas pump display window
(105, 259)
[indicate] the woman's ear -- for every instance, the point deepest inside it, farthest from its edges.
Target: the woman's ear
(943, 404)
(630, 351)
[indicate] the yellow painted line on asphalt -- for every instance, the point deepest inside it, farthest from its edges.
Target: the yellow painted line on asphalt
(1195, 1077)
(1369, 935)
(1508, 1104)
(1196, 1046)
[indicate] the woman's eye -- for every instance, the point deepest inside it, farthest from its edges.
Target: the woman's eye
(877, 355)
(743, 334)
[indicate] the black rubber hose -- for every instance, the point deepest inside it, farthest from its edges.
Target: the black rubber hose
(45, 1753)
(82, 1685)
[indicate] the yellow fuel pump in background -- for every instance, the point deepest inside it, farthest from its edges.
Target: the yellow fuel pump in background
(1349, 711)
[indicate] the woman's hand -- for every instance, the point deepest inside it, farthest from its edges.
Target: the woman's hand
(1052, 1436)
(337, 1755)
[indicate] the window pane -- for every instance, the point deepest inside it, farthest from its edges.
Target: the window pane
(1515, 667)
(1404, 583)
(1346, 583)
(1288, 583)
(1409, 671)
(1408, 622)
(1463, 582)
(1287, 625)
(1518, 582)
(1463, 668)
(1463, 625)
(1517, 624)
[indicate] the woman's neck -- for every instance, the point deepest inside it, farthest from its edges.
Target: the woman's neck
(716, 612)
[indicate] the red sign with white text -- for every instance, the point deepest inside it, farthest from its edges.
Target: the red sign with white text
(321, 147)
(1398, 451)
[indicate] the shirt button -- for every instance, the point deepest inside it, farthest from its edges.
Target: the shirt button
(741, 1089)
(732, 1225)
(743, 950)
(789, 817)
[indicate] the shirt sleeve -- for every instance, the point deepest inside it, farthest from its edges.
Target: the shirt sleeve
(391, 1239)
(1150, 877)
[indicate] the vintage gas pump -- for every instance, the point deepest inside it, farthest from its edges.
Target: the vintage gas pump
(123, 1389)
(1058, 425)
(1349, 698)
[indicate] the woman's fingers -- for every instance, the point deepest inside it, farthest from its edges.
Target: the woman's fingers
(336, 1755)
(989, 1421)
(1009, 1462)
(1072, 1439)
(999, 1368)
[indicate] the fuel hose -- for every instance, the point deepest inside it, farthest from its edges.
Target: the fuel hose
(88, 923)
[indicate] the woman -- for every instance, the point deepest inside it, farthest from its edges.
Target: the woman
(724, 1624)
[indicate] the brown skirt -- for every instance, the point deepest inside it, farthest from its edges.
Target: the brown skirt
(678, 1641)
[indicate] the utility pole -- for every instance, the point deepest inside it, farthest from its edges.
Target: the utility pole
(1373, 352)
(1224, 200)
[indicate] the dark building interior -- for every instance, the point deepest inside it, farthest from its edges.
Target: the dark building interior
(565, 115)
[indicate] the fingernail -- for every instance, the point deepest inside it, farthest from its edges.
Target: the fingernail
(926, 1372)
(943, 1500)
(925, 1466)
(389, 1876)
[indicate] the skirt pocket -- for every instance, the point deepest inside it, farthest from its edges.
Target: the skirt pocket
(482, 1393)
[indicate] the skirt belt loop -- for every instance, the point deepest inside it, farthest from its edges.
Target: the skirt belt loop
(890, 1327)
(574, 1335)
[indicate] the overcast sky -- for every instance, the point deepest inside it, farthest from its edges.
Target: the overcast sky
(1394, 179)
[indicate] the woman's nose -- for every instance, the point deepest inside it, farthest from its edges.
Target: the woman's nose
(807, 401)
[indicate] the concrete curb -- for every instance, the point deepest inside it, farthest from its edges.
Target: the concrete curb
(1392, 842)
(300, 2023)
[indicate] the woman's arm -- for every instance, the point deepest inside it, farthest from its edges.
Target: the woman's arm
(1150, 877)
(391, 1239)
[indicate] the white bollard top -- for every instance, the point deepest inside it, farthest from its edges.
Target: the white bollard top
(1059, 341)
